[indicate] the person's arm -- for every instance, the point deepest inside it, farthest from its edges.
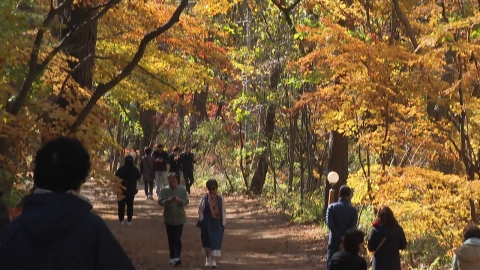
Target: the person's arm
(331, 222)
(353, 219)
(184, 200)
(193, 158)
(403, 240)
(163, 201)
(201, 208)
(109, 254)
(137, 175)
(224, 212)
(141, 164)
(373, 240)
(455, 262)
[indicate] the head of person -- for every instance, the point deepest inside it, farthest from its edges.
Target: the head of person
(129, 161)
(471, 231)
(353, 240)
(176, 149)
(173, 179)
(386, 217)
(61, 165)
(148, 151)
(160, 148)
(187, 148)
(212, 186)
(345, 192)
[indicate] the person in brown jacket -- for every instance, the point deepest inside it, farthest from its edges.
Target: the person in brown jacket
(467, 256)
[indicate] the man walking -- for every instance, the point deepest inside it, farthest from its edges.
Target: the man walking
(148, 174)
(341, 216)
(187, 159)
(161, 174)
(174, 198)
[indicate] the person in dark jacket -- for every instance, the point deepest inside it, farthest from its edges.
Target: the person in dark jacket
(4, 215)
(161, 174)
(348, 259)
(187, 159)
(387, 230)
(129, 175)
(174, 161)
(57, 230)
(148, 173)
(341, 216)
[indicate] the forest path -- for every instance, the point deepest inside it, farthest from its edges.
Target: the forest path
(254, 238)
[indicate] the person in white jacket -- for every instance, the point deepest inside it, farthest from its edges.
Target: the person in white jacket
(212, 223)
(467, 256)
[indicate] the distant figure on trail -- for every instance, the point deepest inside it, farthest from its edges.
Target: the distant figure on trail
(174, 160)
(161, 175)
(57, 230)
(129, 175)
(174, 198)
(348, 259)
(147, 165)
(386, 240)
(213, 218)
(4, 215)
(467, 256)
(187, 159)
(341, 216)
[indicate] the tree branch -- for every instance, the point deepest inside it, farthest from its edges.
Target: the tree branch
(408, 28)
(155, 77)
(103, 88)
(287, 10)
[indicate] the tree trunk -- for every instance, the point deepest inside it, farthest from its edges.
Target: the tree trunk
(337, 162)
(199, 112)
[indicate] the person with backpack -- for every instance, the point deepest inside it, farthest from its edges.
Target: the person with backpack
(386, 240)
(129, 175)
(148, 173)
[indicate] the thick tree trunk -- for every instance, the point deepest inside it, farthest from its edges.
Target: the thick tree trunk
(338, 162)
(199, 112)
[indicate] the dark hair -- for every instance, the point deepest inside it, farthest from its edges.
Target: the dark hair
(159, 145)
(148, 151)
(352, 240)
(129, 160)
(345, 191)
(173, 174)
(386, 217)
(471, 231)
(176, 148)
(211, 183)
(60, 165)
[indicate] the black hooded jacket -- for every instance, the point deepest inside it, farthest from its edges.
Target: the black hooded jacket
(58, 231)
(129, 174)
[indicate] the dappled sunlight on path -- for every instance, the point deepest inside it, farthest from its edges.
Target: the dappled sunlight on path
(254, 238)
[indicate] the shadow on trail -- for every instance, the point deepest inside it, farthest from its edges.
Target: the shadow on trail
(254, 239)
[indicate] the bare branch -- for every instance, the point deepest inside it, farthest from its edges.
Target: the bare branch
(155, 77)
(103, 88)
(287, 10)
(406, 23)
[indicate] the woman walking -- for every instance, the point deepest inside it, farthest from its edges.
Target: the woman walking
(212, 216)
(386, 240)
(129, 175)
(174, 198)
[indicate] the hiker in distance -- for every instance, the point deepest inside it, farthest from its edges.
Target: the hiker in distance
(174, 198)
(147, 165)
(341, 216)
(129, 175)
(57, 230)
(161, 175)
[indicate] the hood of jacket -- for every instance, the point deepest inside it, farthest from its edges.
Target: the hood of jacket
(53, 214)
(469, 251)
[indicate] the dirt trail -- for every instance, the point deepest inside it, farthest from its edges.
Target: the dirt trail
(254, 238)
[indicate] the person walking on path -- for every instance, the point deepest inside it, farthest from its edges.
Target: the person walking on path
(174, 161)
(348, 259)
(386, 240)
(148, 173)
(174, 198)
(212, 215)
(467, 256)
(187, 159)
(129, 175)
(57, 229)
(341, 216)
(161, 175)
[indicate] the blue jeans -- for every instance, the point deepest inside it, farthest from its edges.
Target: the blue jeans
(332, 249)
(161, 180)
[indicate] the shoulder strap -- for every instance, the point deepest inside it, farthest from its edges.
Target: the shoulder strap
(146, 160)
(381, 244)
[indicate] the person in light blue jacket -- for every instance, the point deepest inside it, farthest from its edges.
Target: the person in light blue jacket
(341, 216)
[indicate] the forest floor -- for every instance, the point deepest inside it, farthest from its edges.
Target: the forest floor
(255, 238)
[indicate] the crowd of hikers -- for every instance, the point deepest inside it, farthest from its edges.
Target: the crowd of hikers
(386, 240)
(58, 230)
